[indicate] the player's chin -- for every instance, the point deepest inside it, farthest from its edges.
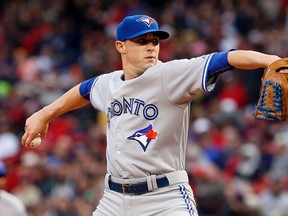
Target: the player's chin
(147, 66)
(151, 62)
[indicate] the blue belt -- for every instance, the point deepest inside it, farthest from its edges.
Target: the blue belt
(136, 188)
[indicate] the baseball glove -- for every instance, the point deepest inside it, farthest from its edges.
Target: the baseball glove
(272, 103)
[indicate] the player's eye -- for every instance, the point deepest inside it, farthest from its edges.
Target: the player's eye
(142, 41)
(155, 41)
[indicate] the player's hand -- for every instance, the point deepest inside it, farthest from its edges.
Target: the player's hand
(35, 125)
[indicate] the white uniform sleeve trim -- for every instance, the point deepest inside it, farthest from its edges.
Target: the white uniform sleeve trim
(92, 87)
(206, 85)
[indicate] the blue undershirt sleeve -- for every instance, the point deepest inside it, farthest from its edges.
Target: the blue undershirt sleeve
(219, 64)
(85, 88)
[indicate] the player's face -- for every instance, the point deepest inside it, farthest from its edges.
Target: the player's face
(142, 52)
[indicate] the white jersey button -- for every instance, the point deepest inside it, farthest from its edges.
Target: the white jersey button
(118, 152)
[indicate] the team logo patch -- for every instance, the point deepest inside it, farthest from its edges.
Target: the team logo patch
(144, 136)
(147, 20)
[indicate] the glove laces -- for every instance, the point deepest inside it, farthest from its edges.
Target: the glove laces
(277, 100)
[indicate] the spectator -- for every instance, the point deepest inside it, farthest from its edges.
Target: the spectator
(274, 201)
(10, 205)
(9, 142)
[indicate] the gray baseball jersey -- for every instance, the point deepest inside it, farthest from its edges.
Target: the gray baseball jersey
(148, 117)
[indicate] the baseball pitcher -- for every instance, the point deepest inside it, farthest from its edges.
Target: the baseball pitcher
(147, 107)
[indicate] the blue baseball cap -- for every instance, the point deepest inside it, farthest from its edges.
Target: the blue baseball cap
(137, 25)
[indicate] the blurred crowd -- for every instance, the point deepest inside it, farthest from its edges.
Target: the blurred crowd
(238, 166)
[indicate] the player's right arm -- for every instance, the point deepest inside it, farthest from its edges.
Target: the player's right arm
(38, 123)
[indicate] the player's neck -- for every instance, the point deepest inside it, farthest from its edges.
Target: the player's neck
(131, 73)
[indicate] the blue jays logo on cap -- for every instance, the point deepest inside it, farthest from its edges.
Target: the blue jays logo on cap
(137, 25)
(144, 136)
(147, 20)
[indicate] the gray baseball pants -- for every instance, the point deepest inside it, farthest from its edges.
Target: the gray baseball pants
(175, 199)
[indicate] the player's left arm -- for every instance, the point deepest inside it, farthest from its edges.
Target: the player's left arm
(241, 59)
(248, 60)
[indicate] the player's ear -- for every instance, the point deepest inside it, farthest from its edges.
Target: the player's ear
(120, 46)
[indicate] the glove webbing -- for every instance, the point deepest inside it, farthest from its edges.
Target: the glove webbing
(277, 99)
